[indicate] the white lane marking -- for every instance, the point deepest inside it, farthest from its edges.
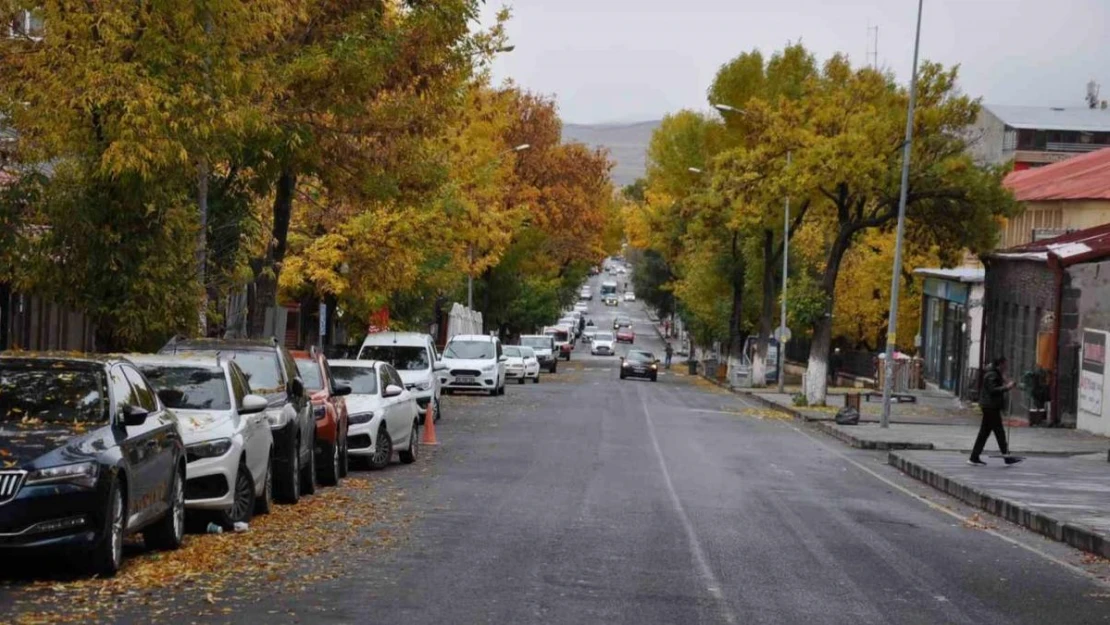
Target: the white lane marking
(956, 515)
(713, 585)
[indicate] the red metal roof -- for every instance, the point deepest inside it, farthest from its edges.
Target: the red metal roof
(1085, 177)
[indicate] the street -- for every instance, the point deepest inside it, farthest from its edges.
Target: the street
(589, 499)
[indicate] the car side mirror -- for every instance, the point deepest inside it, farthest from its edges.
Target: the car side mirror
(439, 366)
(503, 358)
(296, 387)
(134, 415)
(392, 391)
(253, 404)
(339, 390)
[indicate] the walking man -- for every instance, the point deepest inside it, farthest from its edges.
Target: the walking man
(668, 351)
(992, 398)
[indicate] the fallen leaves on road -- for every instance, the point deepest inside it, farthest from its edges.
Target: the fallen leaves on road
(278, 554)
(977, 522)
(767, 413)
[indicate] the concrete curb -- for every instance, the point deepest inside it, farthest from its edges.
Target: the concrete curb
(1078, 536)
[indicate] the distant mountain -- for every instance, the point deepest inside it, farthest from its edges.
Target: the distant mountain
(627, 143)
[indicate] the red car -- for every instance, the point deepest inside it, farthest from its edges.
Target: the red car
(626, 335)
(330, 410)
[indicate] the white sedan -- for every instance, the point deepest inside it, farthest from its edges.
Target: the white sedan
(382, 415)
(629, 296)
(522, 364)
(228, 442)
(603, 344)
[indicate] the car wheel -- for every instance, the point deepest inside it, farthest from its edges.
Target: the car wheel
(521, 381)
(622, 376)
(408, 456)
(438, 409)
(344, 457)
(289, 479)
(308, 473)
(168, 532)
(243, 505)
(554, 367)
(536, 380)
(265, 503)
(106, 557)
(383, 450)
(654, 378)
(329, 467)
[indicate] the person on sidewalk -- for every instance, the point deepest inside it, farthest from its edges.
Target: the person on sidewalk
(668, 352)
(992, 398)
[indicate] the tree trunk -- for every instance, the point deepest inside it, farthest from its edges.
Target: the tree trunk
(735, 347)
(766, 312)
(817, 369)
(267, 272)
(202, 244)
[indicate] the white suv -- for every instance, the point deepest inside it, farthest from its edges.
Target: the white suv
(474, 362)
(414, 357)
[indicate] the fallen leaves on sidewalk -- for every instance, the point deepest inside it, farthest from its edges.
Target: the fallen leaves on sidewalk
(278, 554)
(767, 413)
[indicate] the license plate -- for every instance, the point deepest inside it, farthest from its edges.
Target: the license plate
(465, 379)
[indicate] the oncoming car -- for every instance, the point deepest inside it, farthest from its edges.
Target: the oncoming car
(383, 415)
(640, 364)
(228, 443)
(90, 455)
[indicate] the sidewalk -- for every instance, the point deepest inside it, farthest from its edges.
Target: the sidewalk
(1064, 498)
(930, 408)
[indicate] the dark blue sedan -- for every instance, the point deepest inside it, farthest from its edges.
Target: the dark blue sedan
(88, 454)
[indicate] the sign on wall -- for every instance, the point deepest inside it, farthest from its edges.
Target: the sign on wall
(1092, 373)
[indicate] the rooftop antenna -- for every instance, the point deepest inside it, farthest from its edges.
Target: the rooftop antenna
(1092, 94)
(872, 57)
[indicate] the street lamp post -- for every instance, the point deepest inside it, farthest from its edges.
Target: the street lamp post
(895, 280)
(785, 267)
(470, 247)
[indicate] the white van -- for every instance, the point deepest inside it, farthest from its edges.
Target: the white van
(414, 356)
(474, 362)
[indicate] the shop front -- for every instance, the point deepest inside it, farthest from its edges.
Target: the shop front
(951, 305)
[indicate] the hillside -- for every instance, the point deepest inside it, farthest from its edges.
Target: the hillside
(627, 142)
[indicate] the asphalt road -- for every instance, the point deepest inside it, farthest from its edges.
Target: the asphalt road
(586, 499)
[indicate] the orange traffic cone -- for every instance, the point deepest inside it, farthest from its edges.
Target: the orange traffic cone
(429, 437)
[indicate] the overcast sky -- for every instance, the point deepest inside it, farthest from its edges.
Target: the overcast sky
(632, 60)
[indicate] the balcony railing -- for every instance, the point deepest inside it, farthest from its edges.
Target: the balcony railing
(1052, 146)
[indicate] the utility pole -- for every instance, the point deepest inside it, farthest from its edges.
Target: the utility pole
(896, 277)
(470, 277)
(785, 267)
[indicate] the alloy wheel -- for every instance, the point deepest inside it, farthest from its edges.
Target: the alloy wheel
(116, 529)
(179, 508)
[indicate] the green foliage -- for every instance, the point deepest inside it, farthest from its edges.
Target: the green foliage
(651, 281)
(806, 302)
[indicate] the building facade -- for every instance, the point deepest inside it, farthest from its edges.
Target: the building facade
(1033, 136)
(951, 322)
(1060, 198)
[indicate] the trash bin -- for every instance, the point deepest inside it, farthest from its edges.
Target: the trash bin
(711, 367)
(692, 366)
(851, 400)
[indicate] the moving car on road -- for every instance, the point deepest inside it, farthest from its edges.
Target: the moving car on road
(330, 411)
(608, 287)
(544, 348)
(522, 364)
(626, 335)
(629, 296)
(273, 374)
(585, 293)
(474, 362)
(622, 322)
(382, 414)
(415, 358)
(91, 455)
(640, 364)
(603, 344)
(611, 300)
(228, 443)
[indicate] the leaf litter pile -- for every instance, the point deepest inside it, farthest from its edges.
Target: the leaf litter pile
(281, 552)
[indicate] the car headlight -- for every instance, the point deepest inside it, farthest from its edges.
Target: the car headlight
(624, 364)
(489, 368)
(208, 449)
(362, 417)
(423, 386)
(82, 474)
(654, 367)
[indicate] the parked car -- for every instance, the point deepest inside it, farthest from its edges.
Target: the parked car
(273, 374)
(571, 322)
(522, 364)
(626, 335)
(228, 443)
(91, 455)
(384, 416)
(561, 335)
(474, 362)
(603, 344)
(329, 409)
(582, 307)
(586, 293)
(611, 300)
(640, 364)
(629, 296)
(415, 358)
(545, 350)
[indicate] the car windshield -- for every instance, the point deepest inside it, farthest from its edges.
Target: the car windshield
(513, 352)
(310, 374)
(402, 357)
(52, 393)
(641, 357)
(261, 369)
(526, 352)
(558, 335)
(362, 380)
(624, 322)
(603, 336)
(190, 388)
(469, 350)
(538, 342)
